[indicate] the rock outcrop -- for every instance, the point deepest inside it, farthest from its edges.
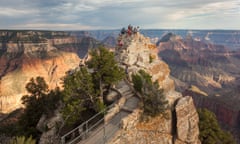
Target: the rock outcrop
(49, 129)
(136, 52)
(187, 121)
(180, 127)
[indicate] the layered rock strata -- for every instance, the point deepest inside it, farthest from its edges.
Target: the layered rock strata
(27, 54)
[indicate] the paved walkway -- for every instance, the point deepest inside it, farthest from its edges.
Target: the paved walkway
(112, 126)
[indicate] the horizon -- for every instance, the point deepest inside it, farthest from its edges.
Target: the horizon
(74, 15)
(149, 29)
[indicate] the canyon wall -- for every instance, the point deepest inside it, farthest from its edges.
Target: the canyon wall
(212, 68)
(27, 54)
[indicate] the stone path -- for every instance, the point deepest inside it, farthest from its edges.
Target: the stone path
(112, 126)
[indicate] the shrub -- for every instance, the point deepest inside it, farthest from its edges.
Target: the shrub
(210, 131)
(154, 100)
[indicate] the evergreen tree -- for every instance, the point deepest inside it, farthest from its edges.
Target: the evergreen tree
(37, 89)
(154, 100)
(210, 131)
(105, 69)
(39, 101)
(79, 95)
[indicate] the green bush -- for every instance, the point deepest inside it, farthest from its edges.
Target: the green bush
(39, 101)
(150, 59)
(210, 131)
(137, 82)
(154, 100)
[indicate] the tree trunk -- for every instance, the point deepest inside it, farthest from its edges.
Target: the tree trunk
(101, 90)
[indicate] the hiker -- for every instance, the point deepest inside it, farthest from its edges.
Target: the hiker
(123, 31)
(129, 31)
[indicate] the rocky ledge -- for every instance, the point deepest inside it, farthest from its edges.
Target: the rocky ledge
(136, 52)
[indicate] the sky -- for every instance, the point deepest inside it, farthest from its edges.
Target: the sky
(115, 14)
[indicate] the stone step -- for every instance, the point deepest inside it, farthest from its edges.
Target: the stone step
(124, 89)
(120, 85)
(129, 95)
(126, 109)
(132, 103)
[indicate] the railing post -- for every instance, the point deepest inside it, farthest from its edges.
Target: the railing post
(86, 129)
(104, 133)
(62, 140)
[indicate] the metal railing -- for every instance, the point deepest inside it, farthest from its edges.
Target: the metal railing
(81, 131)
(92, 126)
(106, 132)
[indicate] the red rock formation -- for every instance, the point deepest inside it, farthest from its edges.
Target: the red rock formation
(28, 54)
(52, 69)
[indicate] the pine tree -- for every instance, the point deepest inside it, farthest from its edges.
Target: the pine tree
(79, 95)
(154, 100)
(105, 68)
(34, 105)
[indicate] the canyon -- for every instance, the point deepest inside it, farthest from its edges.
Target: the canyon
(207, 72)
(27, 54)
(206, 60)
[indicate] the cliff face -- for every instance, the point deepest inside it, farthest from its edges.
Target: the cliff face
(136, 52)
(27, 54)
(227, 114)
(52, 69)
(210, 67)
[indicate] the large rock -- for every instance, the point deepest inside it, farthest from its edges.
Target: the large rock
(49, 128)
(156, 130)
(137, 52)
(187, 121)
(181, 127)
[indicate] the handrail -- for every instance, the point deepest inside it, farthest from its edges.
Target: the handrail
(84, 128)
(107, 135)
(63, 140)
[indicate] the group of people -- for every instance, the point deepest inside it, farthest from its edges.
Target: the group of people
(129, 31)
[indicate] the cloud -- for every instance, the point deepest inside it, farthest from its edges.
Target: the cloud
(105, 14)
(57, 26)
(12, 12)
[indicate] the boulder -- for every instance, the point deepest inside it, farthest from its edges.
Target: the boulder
(187, 120)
